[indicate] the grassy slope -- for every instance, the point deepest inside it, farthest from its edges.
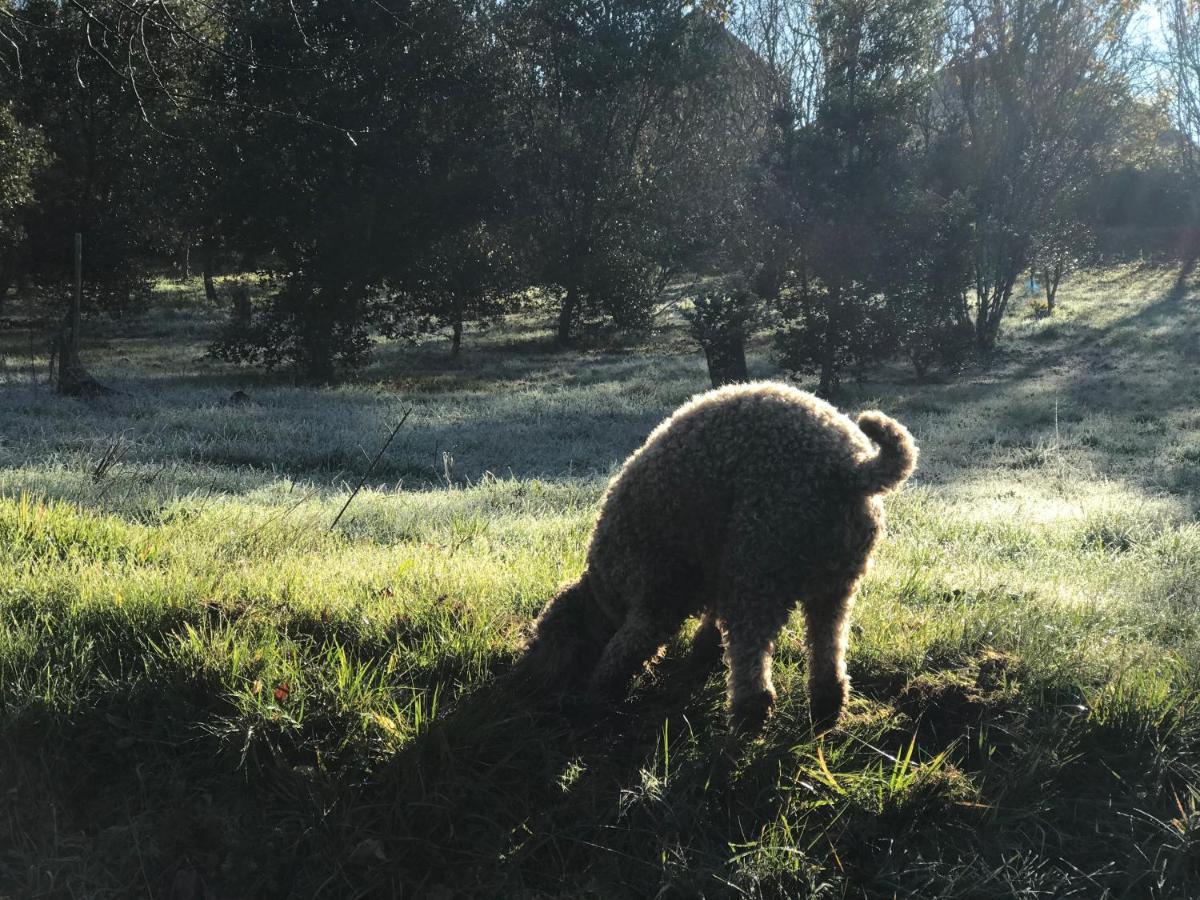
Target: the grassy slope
(205, 693)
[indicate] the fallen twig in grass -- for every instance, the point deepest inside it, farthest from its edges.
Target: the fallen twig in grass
(371, 468)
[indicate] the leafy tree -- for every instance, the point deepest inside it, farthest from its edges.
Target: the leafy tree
(1141, 199)
(600, 94)
(931, 276)
(79, 72)
(720, 319)
(388, 151)
(465, 276)
(845, 177)
(1033, 92)
(1063, 244)
(1181, 21)
(381, 163)
(202, 174)
(22, 156)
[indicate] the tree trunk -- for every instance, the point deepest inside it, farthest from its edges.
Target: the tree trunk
(210, 289)
(206, 263)
(456, 328)
(1052, 278)
(317, 366)
(7, 266)
(990, 313)
(920, 363)
(73, 379)
(829, 374)
(767, 280)
(985, 338)
(829, 380)
(566, 315)
(726, 358)
(240, 295)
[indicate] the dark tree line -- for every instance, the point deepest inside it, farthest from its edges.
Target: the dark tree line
(862, 177)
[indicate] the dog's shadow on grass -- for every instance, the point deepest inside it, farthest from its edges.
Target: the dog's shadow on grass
(508, 790)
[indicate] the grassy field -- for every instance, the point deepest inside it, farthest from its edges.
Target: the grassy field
(207, 692)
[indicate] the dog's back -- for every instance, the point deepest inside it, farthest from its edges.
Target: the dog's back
(762, 437)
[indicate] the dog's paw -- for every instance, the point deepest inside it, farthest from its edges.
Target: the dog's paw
(749, 715)
(826, 705)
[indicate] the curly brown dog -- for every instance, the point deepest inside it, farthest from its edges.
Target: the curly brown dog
(746, 501)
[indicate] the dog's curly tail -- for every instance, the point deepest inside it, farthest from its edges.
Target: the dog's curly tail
(897, 456)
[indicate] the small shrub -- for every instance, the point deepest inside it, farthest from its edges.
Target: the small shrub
(720, 320)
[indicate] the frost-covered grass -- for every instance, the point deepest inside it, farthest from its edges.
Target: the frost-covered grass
(207, 692)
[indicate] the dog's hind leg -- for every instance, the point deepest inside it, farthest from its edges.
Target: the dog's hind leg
(706, 643)
(637, 642)
(750, 631)
(827, 621)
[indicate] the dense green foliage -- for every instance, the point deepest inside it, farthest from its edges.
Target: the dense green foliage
(396, 168)
(851, 175)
